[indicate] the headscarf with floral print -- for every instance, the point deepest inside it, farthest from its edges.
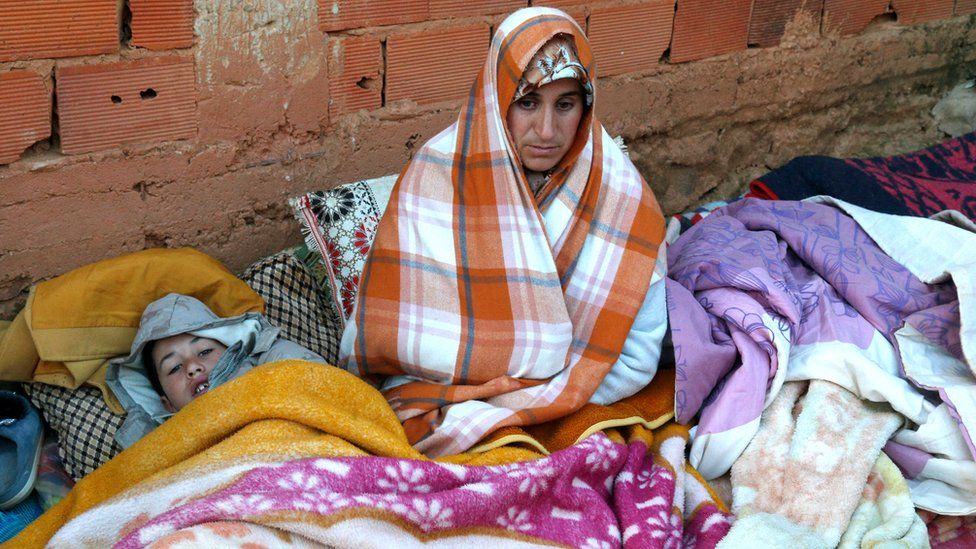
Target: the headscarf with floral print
(555, 60)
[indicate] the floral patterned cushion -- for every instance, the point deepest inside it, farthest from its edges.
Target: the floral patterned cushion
(339, 226)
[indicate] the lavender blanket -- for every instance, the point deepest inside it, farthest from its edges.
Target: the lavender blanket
(762, 292)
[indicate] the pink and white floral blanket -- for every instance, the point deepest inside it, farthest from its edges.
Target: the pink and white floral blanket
(598, 493)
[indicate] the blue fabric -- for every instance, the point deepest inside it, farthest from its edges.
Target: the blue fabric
(808, 176)
(21, 433)
(13, 520)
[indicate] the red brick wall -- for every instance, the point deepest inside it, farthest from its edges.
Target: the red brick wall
(355, 74)
(769, 18)
(380, 52)
(965, 7)
(174, 122)
(630, 37)
(434, 65)
(162, 24)
(917, 11)
(37, 29)
(107, 104)
(25, 112)
(852, 16)
(703, 28)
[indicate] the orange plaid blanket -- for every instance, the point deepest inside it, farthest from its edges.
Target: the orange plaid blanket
(483, 306)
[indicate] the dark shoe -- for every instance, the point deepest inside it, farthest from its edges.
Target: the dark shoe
(21, 435)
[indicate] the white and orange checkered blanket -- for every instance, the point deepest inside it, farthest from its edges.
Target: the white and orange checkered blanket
(483, 306)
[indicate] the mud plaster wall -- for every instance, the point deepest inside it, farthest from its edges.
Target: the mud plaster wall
(275, 114)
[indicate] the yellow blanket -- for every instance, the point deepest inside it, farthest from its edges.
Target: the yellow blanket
(286, 409)
(74, 323)
(279, 411)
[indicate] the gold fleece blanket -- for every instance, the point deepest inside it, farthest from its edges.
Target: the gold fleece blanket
(287, 409)
(74, 323)
(278, 411)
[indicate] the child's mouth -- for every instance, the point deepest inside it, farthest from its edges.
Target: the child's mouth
(202, 388)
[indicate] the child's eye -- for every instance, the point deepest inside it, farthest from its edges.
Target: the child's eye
(205, 352)
(175, 368)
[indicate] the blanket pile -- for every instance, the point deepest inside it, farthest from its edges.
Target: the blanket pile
(301, 452)
(763, 292)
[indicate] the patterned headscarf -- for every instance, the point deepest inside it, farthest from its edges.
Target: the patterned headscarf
(556, 60)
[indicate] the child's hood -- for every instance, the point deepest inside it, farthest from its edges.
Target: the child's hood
(178, 314)
(244, 335)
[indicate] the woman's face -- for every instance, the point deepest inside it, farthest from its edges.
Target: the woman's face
(543, 123)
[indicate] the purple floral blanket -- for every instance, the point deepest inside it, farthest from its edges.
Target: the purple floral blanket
(763, 292)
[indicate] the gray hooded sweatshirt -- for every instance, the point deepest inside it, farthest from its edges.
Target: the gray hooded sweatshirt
(250, 340)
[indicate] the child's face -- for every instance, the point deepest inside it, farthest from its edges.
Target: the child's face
(183, 363)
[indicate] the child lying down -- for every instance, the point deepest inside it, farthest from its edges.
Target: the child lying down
(181, 351)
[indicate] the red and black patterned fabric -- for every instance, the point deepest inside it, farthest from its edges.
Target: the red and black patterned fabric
(941, 177)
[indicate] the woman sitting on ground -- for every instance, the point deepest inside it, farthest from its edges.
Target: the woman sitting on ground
(515, 274)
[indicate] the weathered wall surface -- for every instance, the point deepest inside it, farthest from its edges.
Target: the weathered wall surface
(703, 130)
(189, 123)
